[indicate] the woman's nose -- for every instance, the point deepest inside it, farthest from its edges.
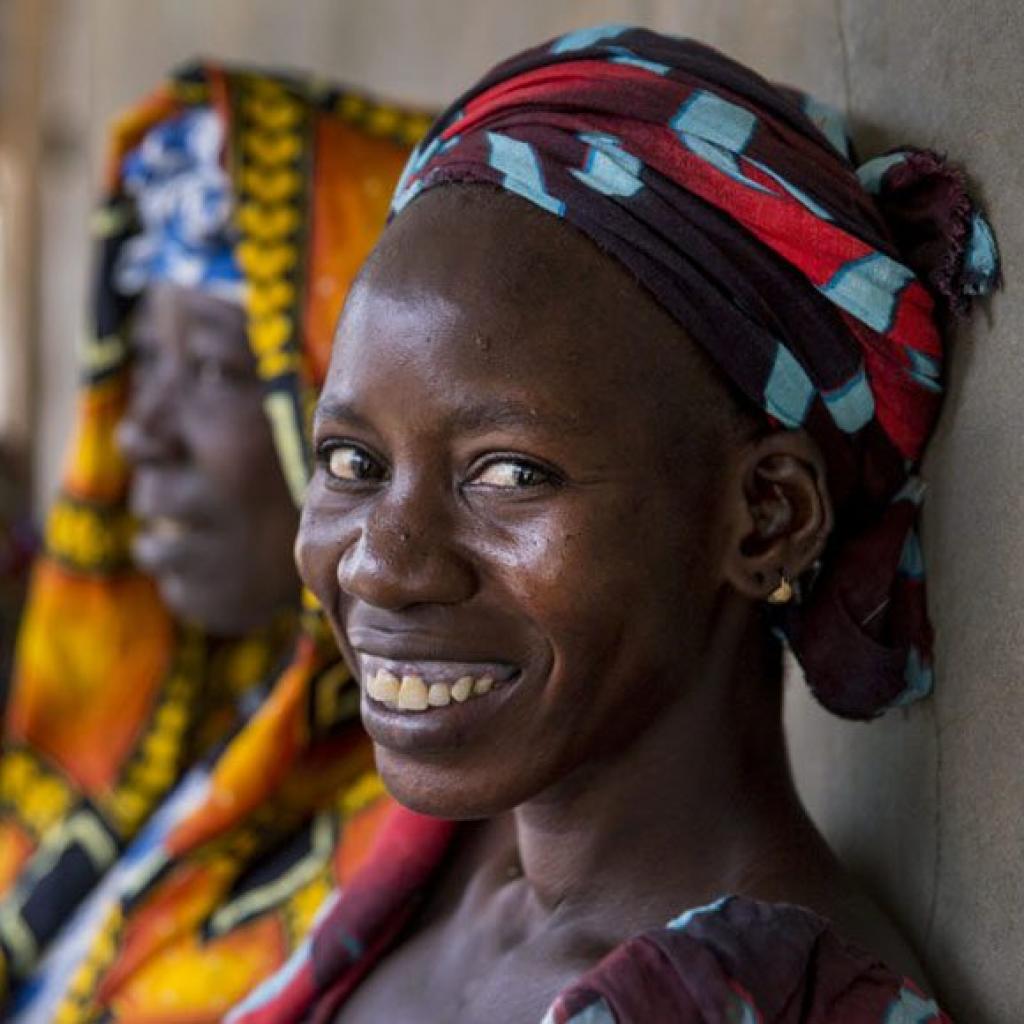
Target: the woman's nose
(150, 430)
(405, 556)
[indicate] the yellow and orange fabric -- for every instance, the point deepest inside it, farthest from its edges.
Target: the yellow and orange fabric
(113, 702)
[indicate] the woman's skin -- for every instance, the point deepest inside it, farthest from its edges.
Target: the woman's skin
(217, 520)
(525, 467)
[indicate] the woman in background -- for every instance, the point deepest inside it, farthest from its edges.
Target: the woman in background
(165, 612)
(632, 392)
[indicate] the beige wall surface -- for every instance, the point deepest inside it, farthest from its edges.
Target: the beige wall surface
(928, 804)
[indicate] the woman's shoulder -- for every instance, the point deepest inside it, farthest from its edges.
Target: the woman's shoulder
(744, 961)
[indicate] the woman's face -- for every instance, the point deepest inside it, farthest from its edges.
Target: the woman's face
(520, 464)
(217, 520)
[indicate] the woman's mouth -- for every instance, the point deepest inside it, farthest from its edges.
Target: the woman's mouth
(419, 686)
(164, 544)
(164, 526)
(157, 539)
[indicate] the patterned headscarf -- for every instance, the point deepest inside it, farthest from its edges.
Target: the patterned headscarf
(273, 189)
(812, 284)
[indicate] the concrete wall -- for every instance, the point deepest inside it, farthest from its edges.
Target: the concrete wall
(928, 805)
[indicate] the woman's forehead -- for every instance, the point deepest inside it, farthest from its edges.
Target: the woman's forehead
(166, 304)
(486, 297)
(459, 342)
(489, 285)
(474, 241)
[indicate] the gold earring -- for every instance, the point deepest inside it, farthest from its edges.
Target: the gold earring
(783, 593)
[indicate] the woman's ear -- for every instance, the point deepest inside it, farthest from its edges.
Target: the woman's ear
(784, 514)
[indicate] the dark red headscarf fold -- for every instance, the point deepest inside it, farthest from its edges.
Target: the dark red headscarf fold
(736, 204)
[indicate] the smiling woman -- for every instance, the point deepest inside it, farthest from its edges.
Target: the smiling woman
(631, 392)
(506, 547)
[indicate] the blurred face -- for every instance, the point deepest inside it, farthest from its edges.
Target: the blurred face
(512, 525)
(217, 520)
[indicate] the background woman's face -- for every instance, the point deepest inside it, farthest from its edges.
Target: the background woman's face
(516, 480)
(217, 520)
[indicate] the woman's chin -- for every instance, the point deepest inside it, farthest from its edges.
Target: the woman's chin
(440, 792)
(216, 611)
(195, 610)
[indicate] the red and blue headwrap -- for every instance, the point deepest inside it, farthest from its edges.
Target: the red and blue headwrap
(815, 287)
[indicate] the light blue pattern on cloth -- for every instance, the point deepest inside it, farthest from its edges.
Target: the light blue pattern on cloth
(869, 289)
(715, 120)
(741, 1012)
(913, 491)
(609, 169)
(184, 202)
(683, 921)
(919, 677)
(624, 56)
(521, 169)
(402, 199)
(912, 557)
(852, 405)
(717, 131)
(788, 391)
(981, 261)
(830, 122)
(586, 37)
(418, 159)
(924, 370)
(596, 1013)
(910, 1008)
(798, 194)
(872, 172)
(719, 157)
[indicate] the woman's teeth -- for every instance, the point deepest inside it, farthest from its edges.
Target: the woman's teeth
(412, 693)
(169, 529)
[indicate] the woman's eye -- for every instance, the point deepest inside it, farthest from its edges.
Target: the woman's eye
(210, 372)
(347, 462)
(509, 473)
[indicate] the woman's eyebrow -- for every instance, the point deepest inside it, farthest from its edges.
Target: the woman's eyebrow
(511, 413)
(470, 418)
(333, 410)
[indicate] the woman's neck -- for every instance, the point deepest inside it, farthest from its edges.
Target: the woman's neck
(702, 803)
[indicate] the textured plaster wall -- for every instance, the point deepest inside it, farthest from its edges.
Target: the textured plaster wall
(927, 804)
